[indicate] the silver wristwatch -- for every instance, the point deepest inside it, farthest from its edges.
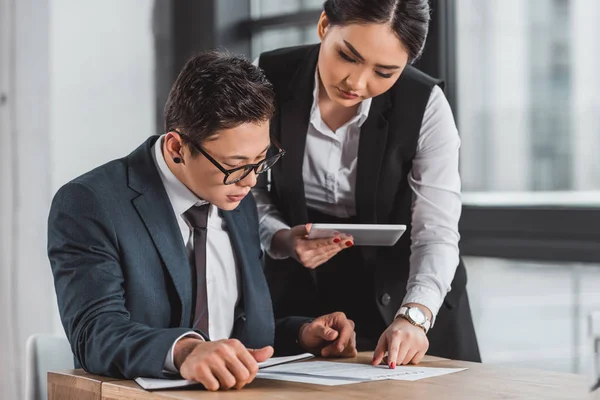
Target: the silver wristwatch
(415, 316)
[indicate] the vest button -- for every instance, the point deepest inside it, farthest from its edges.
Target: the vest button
(385, 299)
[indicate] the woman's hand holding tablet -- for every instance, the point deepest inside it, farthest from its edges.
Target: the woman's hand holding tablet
(310, 252)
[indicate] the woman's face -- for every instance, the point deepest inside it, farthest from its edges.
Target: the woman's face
(357, 62)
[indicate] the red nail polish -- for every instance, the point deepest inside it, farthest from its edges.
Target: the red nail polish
(393, 365)
(349, 243)
(337, 240)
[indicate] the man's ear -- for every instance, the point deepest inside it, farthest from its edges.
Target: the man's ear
(173, 142)
(323, 25)
(173, 146)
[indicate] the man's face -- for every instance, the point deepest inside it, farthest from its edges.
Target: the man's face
(245, 144)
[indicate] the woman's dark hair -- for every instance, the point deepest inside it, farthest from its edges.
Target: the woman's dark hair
(216, 91)
(409, 19)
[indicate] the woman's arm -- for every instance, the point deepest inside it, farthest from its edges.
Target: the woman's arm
(270, 221)
(436, 208)
(270, 218)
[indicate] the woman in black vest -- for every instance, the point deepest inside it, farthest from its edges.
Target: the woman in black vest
(371, 140)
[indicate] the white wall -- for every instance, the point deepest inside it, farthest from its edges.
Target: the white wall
(26, 300)
(102, 85)
(8, 334)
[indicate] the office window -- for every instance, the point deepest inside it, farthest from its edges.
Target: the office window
(269, 8)
(528, 94)
(283, 36)
(528, 110)
(532, 314)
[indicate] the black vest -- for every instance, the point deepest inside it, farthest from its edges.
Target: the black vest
(387, 146)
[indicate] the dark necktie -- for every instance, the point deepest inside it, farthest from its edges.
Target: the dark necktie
(198, 217)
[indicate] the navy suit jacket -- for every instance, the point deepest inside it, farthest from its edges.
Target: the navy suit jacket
(123, 279)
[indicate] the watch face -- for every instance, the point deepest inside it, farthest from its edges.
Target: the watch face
(417, 315)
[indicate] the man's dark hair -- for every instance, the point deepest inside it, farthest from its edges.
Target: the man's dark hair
(216, 91)
(409, 19)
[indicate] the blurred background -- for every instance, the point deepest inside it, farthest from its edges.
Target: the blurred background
(84, 82)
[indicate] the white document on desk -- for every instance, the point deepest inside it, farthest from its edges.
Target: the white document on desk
(310, 379)
(157, 384)
(358, 372)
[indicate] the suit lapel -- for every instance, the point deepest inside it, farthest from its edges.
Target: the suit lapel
(371, 153)
(256, 319)
(295, 117)
(153, 207)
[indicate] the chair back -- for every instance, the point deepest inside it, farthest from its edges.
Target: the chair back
(44, 353)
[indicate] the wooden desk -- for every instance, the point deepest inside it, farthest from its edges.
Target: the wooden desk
(480, 381)
(75, 384)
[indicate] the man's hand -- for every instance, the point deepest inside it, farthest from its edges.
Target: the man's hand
(223, 364)
(330, 335)
(404, 342)
(311, 253)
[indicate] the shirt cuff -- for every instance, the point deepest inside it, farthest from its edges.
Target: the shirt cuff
(169, 361)
(426, 297)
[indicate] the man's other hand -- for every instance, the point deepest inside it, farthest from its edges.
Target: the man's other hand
(330, 335)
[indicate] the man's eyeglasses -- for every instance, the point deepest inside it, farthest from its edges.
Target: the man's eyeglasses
(237, 174)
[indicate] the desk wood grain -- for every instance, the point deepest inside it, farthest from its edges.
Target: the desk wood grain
(480, 381)
(75, 384)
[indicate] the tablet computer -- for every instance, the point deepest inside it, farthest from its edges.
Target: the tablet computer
(364, 234)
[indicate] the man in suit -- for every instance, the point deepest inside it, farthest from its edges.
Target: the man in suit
(156, 256)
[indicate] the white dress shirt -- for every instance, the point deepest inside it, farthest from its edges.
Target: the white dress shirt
(329, 173)
(222, 275)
